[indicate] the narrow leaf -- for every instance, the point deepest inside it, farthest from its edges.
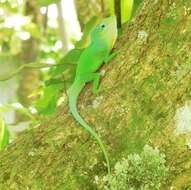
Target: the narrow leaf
(4, 134)
(46, 2)
(126, 10)
(111, 7)
(47, 103)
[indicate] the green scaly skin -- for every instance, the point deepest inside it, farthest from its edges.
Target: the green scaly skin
(98, 52)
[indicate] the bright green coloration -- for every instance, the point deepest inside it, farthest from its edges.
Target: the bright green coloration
(4, 134)
(46, 2)
(47, 103)
(126, 9)
(139, 171)
(103, 39)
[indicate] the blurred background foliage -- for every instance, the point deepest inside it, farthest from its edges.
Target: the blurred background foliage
(39, 32)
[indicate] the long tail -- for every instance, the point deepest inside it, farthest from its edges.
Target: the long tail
(73, 95)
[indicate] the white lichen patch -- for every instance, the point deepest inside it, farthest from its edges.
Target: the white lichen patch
(31, 153)
(96, 179)
(82, 106)
(33, 110)
(183, 119)
(172, 12)
(93, 161)
(123, 110)
(97, 101)
(102, 73)
(187, 11)
(188, 143)
(142, 35)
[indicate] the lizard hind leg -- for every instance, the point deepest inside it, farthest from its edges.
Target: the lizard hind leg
(95, 78)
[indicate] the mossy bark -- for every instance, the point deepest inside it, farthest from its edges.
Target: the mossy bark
(142, 88)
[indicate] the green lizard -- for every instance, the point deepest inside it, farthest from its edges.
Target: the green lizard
(98, 52)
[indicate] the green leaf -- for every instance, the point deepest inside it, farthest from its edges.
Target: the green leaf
(33, 29)
(71, 57)
(47, 103)
(46, 2)
(4, 134)
(126, 10)
(68, 62)
(111, 7)
(54, 81)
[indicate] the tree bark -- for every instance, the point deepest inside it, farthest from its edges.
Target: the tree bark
(30, 78)
(62, 28)
(140, 93)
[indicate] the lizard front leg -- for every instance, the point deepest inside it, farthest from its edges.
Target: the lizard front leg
(95, 78)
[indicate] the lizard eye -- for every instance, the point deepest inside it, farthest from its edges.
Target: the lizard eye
(103, 26)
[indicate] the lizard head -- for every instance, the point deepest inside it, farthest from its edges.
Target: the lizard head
(106, 31)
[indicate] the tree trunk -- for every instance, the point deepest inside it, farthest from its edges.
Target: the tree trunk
(30, 78)
(140, 93)
(62, 28)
